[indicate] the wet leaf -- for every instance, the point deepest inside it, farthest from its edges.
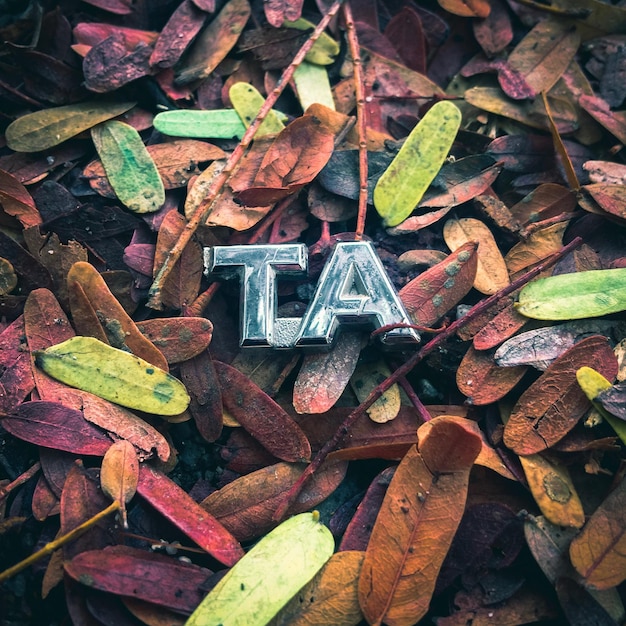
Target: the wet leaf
(597, 552)
(180, 509)
(119, 474)
(551, 486)
(574, 296)
(554, 403)
(214, 43)
(53, 425)
(247, 101)
(434, 292)
(398, 575)
(266, 578)
(491, 270)
(129, 167)
(50, 127)
(115, 375)
(403, 184)
(129, 572)
(330, 598)
(261, 416)
(246, 505)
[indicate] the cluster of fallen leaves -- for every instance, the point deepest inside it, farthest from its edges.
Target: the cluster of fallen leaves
(486, 486)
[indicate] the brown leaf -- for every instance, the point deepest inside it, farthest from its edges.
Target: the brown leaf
(538, 246)
(554, 403)
(120, 329)
(134, 573)
(610, 197)
(119, 474)
(482, 381)
(45, 501)
(277, 11)
(613, 121)
(544, 202)
(181, 510)
(502, 326)
(183, 282)
(323, 376)
(16, 377)
(92, 33)
(597, 552)
(263, 418)
(434, 292)
(330, 598)
(495, 32)
(294, 159)
(246, 505)
(178, 338)
(466, 8)
(422, 507)
(16, 200)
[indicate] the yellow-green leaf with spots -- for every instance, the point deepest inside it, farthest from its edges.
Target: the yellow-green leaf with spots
(129, 167)
(247, 101)
(402, 185)
(121, 377)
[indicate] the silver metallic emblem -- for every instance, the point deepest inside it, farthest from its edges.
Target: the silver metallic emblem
(353, 289)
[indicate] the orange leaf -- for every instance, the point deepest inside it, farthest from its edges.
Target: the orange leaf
(416, 524)
(16, 200)
(120, 473)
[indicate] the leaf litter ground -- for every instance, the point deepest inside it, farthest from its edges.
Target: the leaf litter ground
(483, 479)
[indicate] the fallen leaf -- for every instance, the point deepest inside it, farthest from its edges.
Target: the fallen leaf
(366, 377)
(266, 578)
(177, 506)
(115, 375)
(261, 416)
(49, 127)
(466, 8)
(398, 576)
(247, 101)
(403, 184)
(554, 403)
(217, 124)
(129, 167)
(597, 552)
(119, 474)
(16, 201)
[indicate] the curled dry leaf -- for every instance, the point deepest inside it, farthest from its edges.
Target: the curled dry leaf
(554, 403)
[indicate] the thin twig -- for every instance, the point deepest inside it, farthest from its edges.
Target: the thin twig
(204, 209)
(20, 480)
(405, 368)
(49, 548)
(359, 88)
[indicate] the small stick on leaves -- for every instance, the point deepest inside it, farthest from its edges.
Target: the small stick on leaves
(406, 367)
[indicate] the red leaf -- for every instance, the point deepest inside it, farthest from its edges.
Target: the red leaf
(182, 511)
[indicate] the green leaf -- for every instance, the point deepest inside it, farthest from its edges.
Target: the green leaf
(129, 167)
(121, 377)
(593, 383)
(574, 296)
(324, 50)
(47, 128)
(404, 182)
(313, 86)
(268, 576)
(247, 101)
(217, 124)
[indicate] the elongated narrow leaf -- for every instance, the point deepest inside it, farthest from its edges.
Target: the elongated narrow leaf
(49, 127)
(134, 573)
(268, 576)
(574, 296)
(130, 169)
(217, 124)
(178, 507)
(53, 425)
(115, 375)
(415, 526)
(263, 418)
(403, 184)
